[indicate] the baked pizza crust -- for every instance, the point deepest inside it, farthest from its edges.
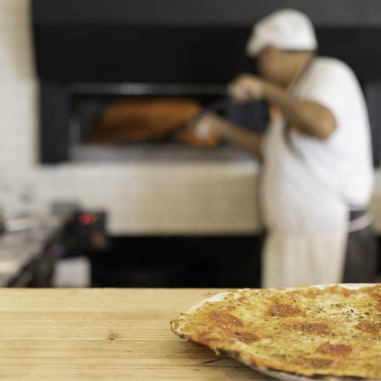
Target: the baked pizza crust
(329, 331)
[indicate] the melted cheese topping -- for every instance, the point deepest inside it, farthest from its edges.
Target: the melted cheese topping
(310, 331)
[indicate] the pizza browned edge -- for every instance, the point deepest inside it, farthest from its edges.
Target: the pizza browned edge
(257, 364)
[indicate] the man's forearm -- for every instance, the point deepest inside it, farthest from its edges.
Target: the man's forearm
(309, 118)
(247, 140)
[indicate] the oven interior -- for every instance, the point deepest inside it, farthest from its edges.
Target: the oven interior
(154, 121)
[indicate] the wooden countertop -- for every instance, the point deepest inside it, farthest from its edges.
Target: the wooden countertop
(105, 334)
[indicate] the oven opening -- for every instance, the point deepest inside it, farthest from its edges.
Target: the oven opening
(151, 122)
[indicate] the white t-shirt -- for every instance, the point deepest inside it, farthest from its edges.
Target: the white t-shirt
(343, 162)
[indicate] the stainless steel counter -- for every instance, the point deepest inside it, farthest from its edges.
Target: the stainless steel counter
(21, 248)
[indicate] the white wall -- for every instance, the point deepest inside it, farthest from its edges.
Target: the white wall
(139, 198)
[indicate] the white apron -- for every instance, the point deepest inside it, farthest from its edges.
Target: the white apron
(306, 220)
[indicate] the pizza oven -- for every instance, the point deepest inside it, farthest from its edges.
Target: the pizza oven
(123, 89)
(118, 78)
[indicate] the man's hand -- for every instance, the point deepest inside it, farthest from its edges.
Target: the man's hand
(246, 88)
(212, 123)
(207, 125)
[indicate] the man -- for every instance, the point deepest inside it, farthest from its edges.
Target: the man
(317, 174)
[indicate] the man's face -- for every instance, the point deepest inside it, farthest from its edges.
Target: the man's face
(269, 63)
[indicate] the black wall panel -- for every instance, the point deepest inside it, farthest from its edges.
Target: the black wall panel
(326, 13)
(54, 123)
(178, 54)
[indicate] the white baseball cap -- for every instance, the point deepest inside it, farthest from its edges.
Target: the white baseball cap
(287, 29)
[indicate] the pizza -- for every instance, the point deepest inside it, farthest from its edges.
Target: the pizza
(314, 331)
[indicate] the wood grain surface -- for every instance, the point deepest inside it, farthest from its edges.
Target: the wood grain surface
(105, 334)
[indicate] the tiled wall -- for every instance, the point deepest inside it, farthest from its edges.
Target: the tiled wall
(139, 198)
